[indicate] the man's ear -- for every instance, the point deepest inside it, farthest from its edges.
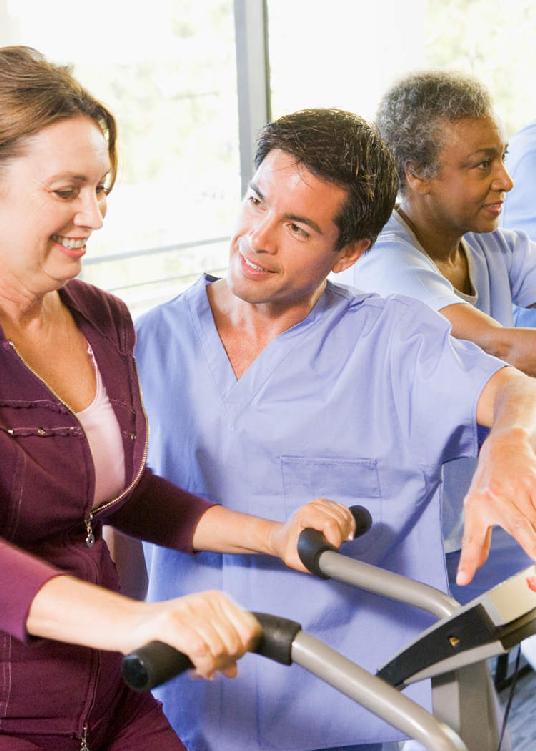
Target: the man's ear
(348, 255)
(416, 183)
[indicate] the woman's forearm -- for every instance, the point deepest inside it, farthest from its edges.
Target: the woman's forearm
(69, 610)
(208, 627)
(226, 531)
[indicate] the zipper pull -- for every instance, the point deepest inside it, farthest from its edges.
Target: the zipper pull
(90, 537)
(84, 746)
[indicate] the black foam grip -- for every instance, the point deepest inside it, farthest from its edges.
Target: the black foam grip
(312, 543)
(277, 637)
(363, 520)
(156, 662)
(153, 664)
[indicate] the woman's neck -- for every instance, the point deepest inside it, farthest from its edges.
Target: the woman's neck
(21, 310)
(446, 251)
(441, 243)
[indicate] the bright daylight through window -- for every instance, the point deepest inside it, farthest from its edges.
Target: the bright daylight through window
(167, 71)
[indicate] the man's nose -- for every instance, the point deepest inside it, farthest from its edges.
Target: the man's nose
(262, 237)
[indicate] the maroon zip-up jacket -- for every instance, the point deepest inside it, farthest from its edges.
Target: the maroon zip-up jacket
(47, 526)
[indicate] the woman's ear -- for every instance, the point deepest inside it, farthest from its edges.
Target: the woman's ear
(348, 255)
(416, 182)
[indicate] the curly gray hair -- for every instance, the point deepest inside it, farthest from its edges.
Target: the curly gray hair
(411, 113)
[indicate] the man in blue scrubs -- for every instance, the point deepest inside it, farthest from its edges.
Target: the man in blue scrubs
(273, 385)
(520, 204)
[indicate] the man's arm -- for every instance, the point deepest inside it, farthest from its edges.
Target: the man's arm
(516, 346)
(503, 490)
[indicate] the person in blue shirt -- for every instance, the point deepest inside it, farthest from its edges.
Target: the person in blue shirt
(273, 385)
(442, 246)
(519, 211)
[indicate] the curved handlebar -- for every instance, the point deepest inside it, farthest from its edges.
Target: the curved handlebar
(156, 662)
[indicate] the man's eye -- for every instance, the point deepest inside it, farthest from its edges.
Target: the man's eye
(297, 230)
(253, 199)
(102, 190)
(485, 165)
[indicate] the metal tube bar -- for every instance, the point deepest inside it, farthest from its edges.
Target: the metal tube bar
(386, 583)
(373, 694)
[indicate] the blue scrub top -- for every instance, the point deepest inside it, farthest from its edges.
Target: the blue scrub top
(520, 203)
(360, 402)
(502, 269)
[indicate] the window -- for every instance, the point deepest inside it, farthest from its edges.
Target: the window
(346, 53)
(167, 71)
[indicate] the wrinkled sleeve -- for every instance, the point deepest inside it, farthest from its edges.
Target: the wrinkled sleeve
(440, 380)
(21, 577)
(396, 267)
(160, 512)
(525, 317)
(520, 204)
(522, 268)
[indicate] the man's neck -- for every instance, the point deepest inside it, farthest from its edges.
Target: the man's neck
(245, 328)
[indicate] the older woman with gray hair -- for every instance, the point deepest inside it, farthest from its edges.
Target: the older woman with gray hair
(442, 246)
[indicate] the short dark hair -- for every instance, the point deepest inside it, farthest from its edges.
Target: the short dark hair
(344, 149)
(412, 112)
(35, 93)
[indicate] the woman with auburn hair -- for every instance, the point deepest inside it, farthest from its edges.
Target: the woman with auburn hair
(73, 445)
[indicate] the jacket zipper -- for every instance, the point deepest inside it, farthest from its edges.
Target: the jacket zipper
(83, 739)
(88, 521)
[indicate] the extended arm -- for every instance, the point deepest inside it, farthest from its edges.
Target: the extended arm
(503, 490)
(516, 346)
(37, 599)
(209, 627)
(162, 513)
(223, 530)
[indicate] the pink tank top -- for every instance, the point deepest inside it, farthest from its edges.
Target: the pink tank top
(104, 436)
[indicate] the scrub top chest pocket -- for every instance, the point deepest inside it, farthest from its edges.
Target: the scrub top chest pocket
(347, 481)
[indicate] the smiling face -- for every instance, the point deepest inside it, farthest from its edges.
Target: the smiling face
(284, 245)
(467, 193)
(52, 197)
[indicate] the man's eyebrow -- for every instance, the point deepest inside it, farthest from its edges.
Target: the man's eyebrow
(290, 217)
(304, 220)
(253, 186)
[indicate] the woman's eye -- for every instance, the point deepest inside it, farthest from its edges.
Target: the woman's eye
(102, 190)
(253, 199)
(66, 193)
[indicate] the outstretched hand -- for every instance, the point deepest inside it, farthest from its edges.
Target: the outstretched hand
(502, 493)
(332, 519)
